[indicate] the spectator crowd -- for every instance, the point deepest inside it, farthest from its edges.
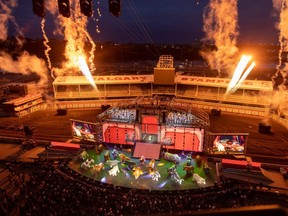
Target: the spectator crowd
(44, 188)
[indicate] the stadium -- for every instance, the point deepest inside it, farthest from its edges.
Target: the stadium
(153, 132)
(180, 137)
(156, 134)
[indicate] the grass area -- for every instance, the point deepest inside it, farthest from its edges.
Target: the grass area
(126, 178)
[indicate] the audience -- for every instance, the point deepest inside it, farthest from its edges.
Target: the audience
(54, 189)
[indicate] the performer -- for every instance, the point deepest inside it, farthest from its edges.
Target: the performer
(137, 172)
(142, 159)
(151, 165)
(107, 156)
(198, 160)
(188, 163)
(150, 138)
(155, 176)
(206, 168)
(188, 166)
(115, 153)
(171, 169)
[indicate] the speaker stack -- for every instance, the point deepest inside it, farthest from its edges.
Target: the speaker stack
(215, 112)
(61, 112)
(264, 128)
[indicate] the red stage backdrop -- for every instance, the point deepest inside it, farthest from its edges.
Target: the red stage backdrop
(178, 138)
(188, 139)
(119, 133)
(150, 124)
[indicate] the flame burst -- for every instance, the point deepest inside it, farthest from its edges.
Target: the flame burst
(240, 74)
(74, 31)
(85, 70)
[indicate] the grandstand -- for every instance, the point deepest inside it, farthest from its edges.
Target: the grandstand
(108, 87)
(251, 93)
(252, 97)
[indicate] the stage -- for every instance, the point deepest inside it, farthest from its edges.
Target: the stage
(134, 174)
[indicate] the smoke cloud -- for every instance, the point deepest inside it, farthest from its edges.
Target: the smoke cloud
(221, 29)
(281, 7)
(5, 15)
(25, 63)
(6, 9)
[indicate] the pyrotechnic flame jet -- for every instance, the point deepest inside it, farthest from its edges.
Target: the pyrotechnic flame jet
(238, 76)
(85, 70)
(238, 72)
(244, 76)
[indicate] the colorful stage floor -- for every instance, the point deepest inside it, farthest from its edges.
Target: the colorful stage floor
(126, 178)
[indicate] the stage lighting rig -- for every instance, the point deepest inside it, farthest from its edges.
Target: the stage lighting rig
(38, 7)
(86, 7)
(64, 8)
(115, 7)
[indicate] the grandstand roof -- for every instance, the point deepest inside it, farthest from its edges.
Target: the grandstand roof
(25, 99)
(179, 79)
(223, 82)
(123, 79)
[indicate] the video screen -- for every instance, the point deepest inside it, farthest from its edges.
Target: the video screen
(83, 130)
(229, 143)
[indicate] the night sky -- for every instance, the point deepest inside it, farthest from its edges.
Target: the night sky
(158, 21)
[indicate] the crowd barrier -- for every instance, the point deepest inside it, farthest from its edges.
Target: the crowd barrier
(86, 104)
(229, 108)
(203, 105)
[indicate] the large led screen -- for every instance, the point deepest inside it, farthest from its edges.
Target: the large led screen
(224, 143)
(83, 130)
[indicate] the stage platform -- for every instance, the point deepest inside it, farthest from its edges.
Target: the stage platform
(126, 178)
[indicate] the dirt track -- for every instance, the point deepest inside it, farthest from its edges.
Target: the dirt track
(50, 126)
